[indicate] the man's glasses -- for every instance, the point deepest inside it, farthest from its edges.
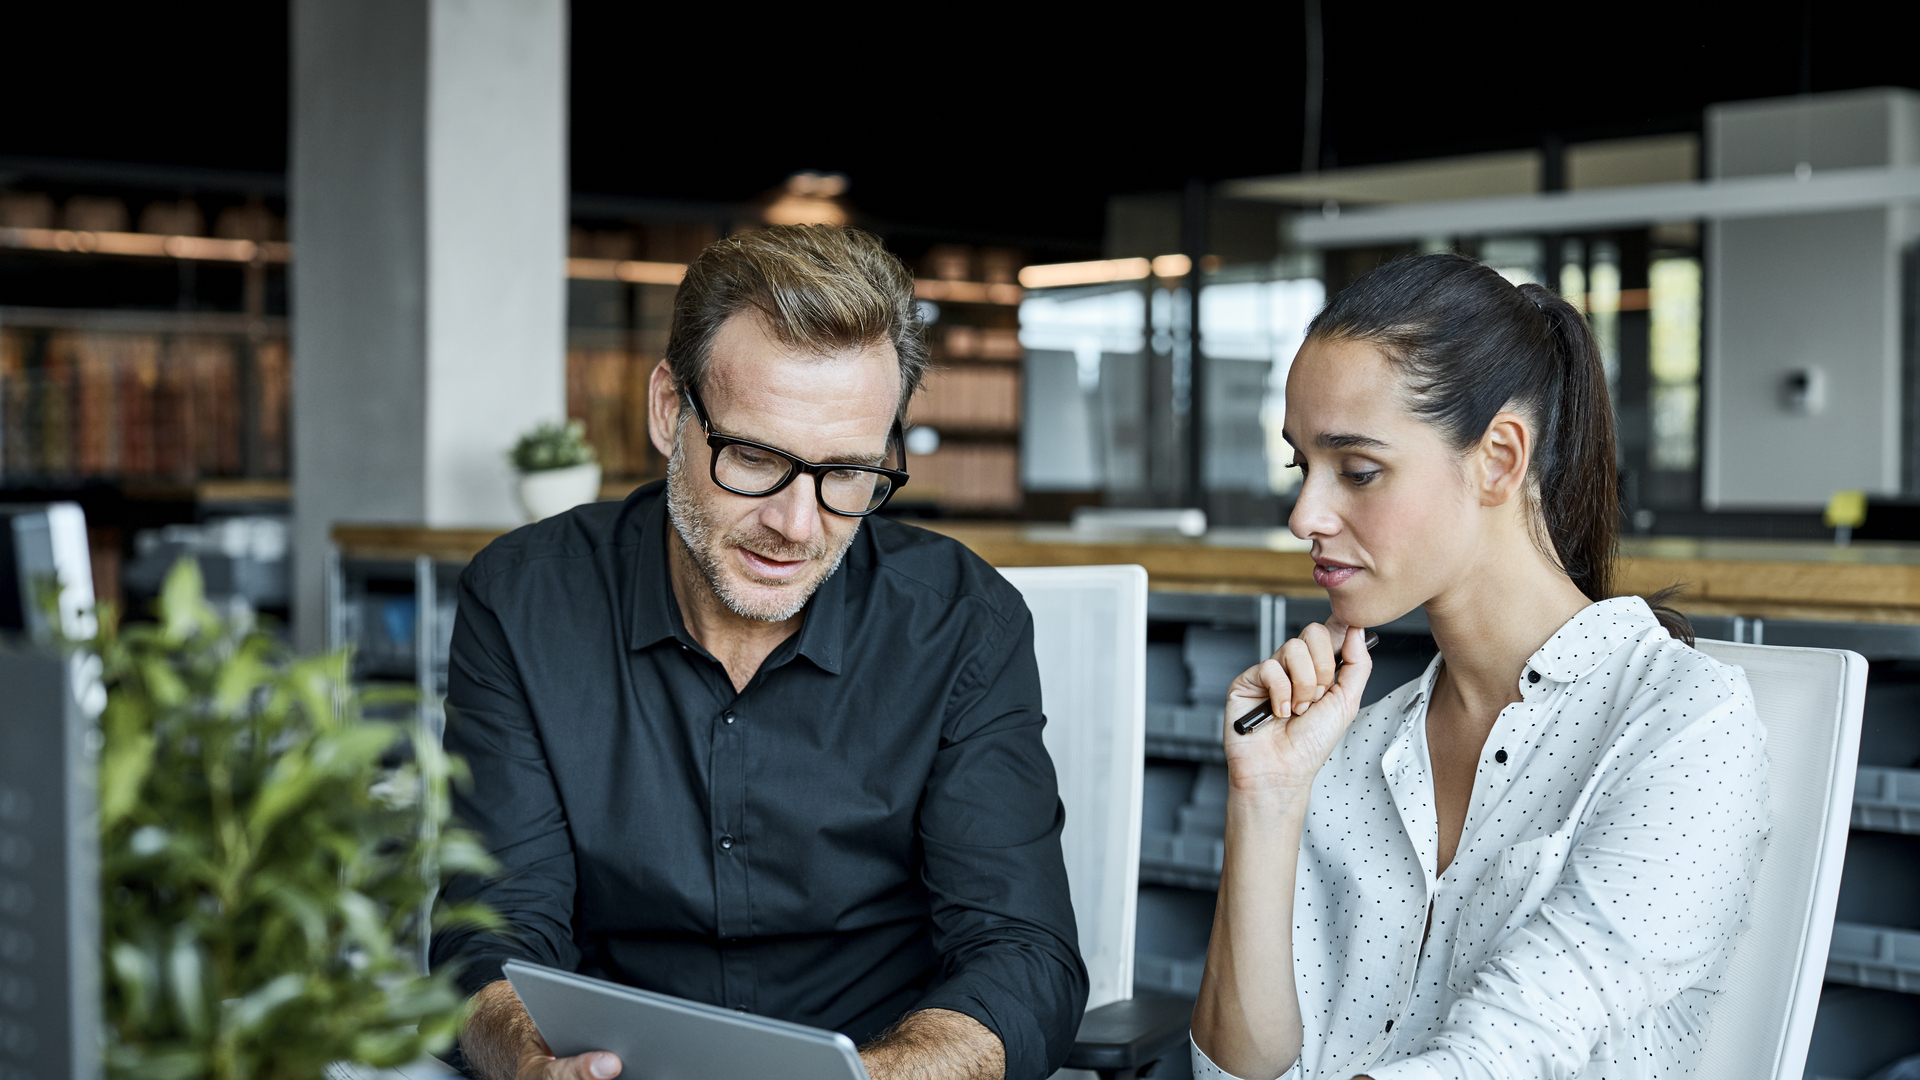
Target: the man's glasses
(756, 470)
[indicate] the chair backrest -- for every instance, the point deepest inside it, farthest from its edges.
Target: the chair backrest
(1090, 638)
(1810, 701)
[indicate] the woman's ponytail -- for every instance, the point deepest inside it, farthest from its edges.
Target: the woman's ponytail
(1579, 490)
(1576, 471)
(1471, 345)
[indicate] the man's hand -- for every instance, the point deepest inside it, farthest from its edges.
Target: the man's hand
(501, 1043)
(936, 1044)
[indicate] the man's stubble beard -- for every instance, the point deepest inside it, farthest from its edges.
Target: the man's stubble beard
(690, 520)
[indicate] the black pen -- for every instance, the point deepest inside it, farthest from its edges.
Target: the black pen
(1263, 712)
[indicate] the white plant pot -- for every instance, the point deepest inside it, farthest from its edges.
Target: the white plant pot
(551, 491)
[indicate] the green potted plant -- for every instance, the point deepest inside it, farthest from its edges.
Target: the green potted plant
(558, 469)
(268, 852)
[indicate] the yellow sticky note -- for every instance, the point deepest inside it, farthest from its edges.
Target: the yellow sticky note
(1848, 509)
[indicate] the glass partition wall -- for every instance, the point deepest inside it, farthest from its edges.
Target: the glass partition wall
(1641, 293)
(1109, 390)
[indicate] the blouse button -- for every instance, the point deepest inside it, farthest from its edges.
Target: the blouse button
(1500, 756)
(728, 718)
(1533, 676)
(726, 843)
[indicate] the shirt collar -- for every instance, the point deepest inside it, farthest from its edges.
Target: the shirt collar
(1574, 650)
(1588, 638)
(656, 617)
(823, 632)
(1424, 689)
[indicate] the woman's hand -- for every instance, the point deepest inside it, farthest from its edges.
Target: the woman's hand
(1313, 702)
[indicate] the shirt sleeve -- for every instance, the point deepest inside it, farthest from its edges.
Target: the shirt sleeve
(1653, 893)
(1205, 1069)
(990, 824)
(512, 803)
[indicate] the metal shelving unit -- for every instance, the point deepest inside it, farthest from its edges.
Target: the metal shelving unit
(1872, 993)
(1195, 641)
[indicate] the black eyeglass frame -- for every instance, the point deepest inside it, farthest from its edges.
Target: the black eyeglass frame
(718, 442)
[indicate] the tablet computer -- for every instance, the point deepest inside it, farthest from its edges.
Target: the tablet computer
(659, 1037)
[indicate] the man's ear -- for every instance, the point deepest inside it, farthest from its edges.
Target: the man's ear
(663, 409)
(1502, 459)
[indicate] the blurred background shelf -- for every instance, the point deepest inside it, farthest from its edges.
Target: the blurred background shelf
(1185, 733)
(1875, 956)
(1887, 800)
(1186, 860)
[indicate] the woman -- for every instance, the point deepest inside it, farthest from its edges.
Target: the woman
(1534, 860)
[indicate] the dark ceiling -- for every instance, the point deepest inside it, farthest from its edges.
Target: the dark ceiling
(997, 121)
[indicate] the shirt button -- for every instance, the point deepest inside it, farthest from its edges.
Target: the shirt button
(1500, 756)
(728, 718)
(1533, 676)
(726, 843)
(1389, 1025)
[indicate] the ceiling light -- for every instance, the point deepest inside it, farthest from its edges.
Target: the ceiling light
(796, 209)
(1172, 266)
(1097, 272)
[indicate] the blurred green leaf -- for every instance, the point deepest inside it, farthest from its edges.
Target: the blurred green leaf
(164, 685)
(137, 978)
(186, 975)
(239, 678)
(124, 761)
(245, 1015)
(183, 600)
(286, 787)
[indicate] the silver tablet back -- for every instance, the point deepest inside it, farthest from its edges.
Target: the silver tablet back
(658, 1037)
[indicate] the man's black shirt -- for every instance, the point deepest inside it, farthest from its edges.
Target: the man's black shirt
(870, 827)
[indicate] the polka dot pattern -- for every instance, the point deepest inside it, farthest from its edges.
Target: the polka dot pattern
(1601, 880)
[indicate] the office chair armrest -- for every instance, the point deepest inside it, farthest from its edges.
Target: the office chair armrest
(1126, 1035)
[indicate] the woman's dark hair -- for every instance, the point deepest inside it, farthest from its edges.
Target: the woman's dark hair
(1469, 345)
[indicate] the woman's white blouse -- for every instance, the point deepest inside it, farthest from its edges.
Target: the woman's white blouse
(1601, 879)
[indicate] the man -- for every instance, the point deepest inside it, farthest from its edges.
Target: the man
(736, 741)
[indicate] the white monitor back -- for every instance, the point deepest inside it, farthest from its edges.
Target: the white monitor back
(1090, 639)
(45, 544)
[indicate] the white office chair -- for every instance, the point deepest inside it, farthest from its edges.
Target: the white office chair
(1810, 701)
(1090, 638)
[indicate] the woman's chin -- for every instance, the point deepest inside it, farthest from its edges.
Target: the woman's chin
(1355, 610)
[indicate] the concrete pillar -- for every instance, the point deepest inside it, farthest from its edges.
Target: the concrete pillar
(428, 200)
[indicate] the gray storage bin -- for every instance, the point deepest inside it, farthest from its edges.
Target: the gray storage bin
(1165, 790)
(1170, 940)
(1875, 956)
(1166, 675)
(1887, 800)
(1858, 1032)
(1185, 732)
(1880, 885)
(1214, 658)
(1890, 730)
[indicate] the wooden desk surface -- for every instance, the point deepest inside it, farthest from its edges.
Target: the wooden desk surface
(1867, 582)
